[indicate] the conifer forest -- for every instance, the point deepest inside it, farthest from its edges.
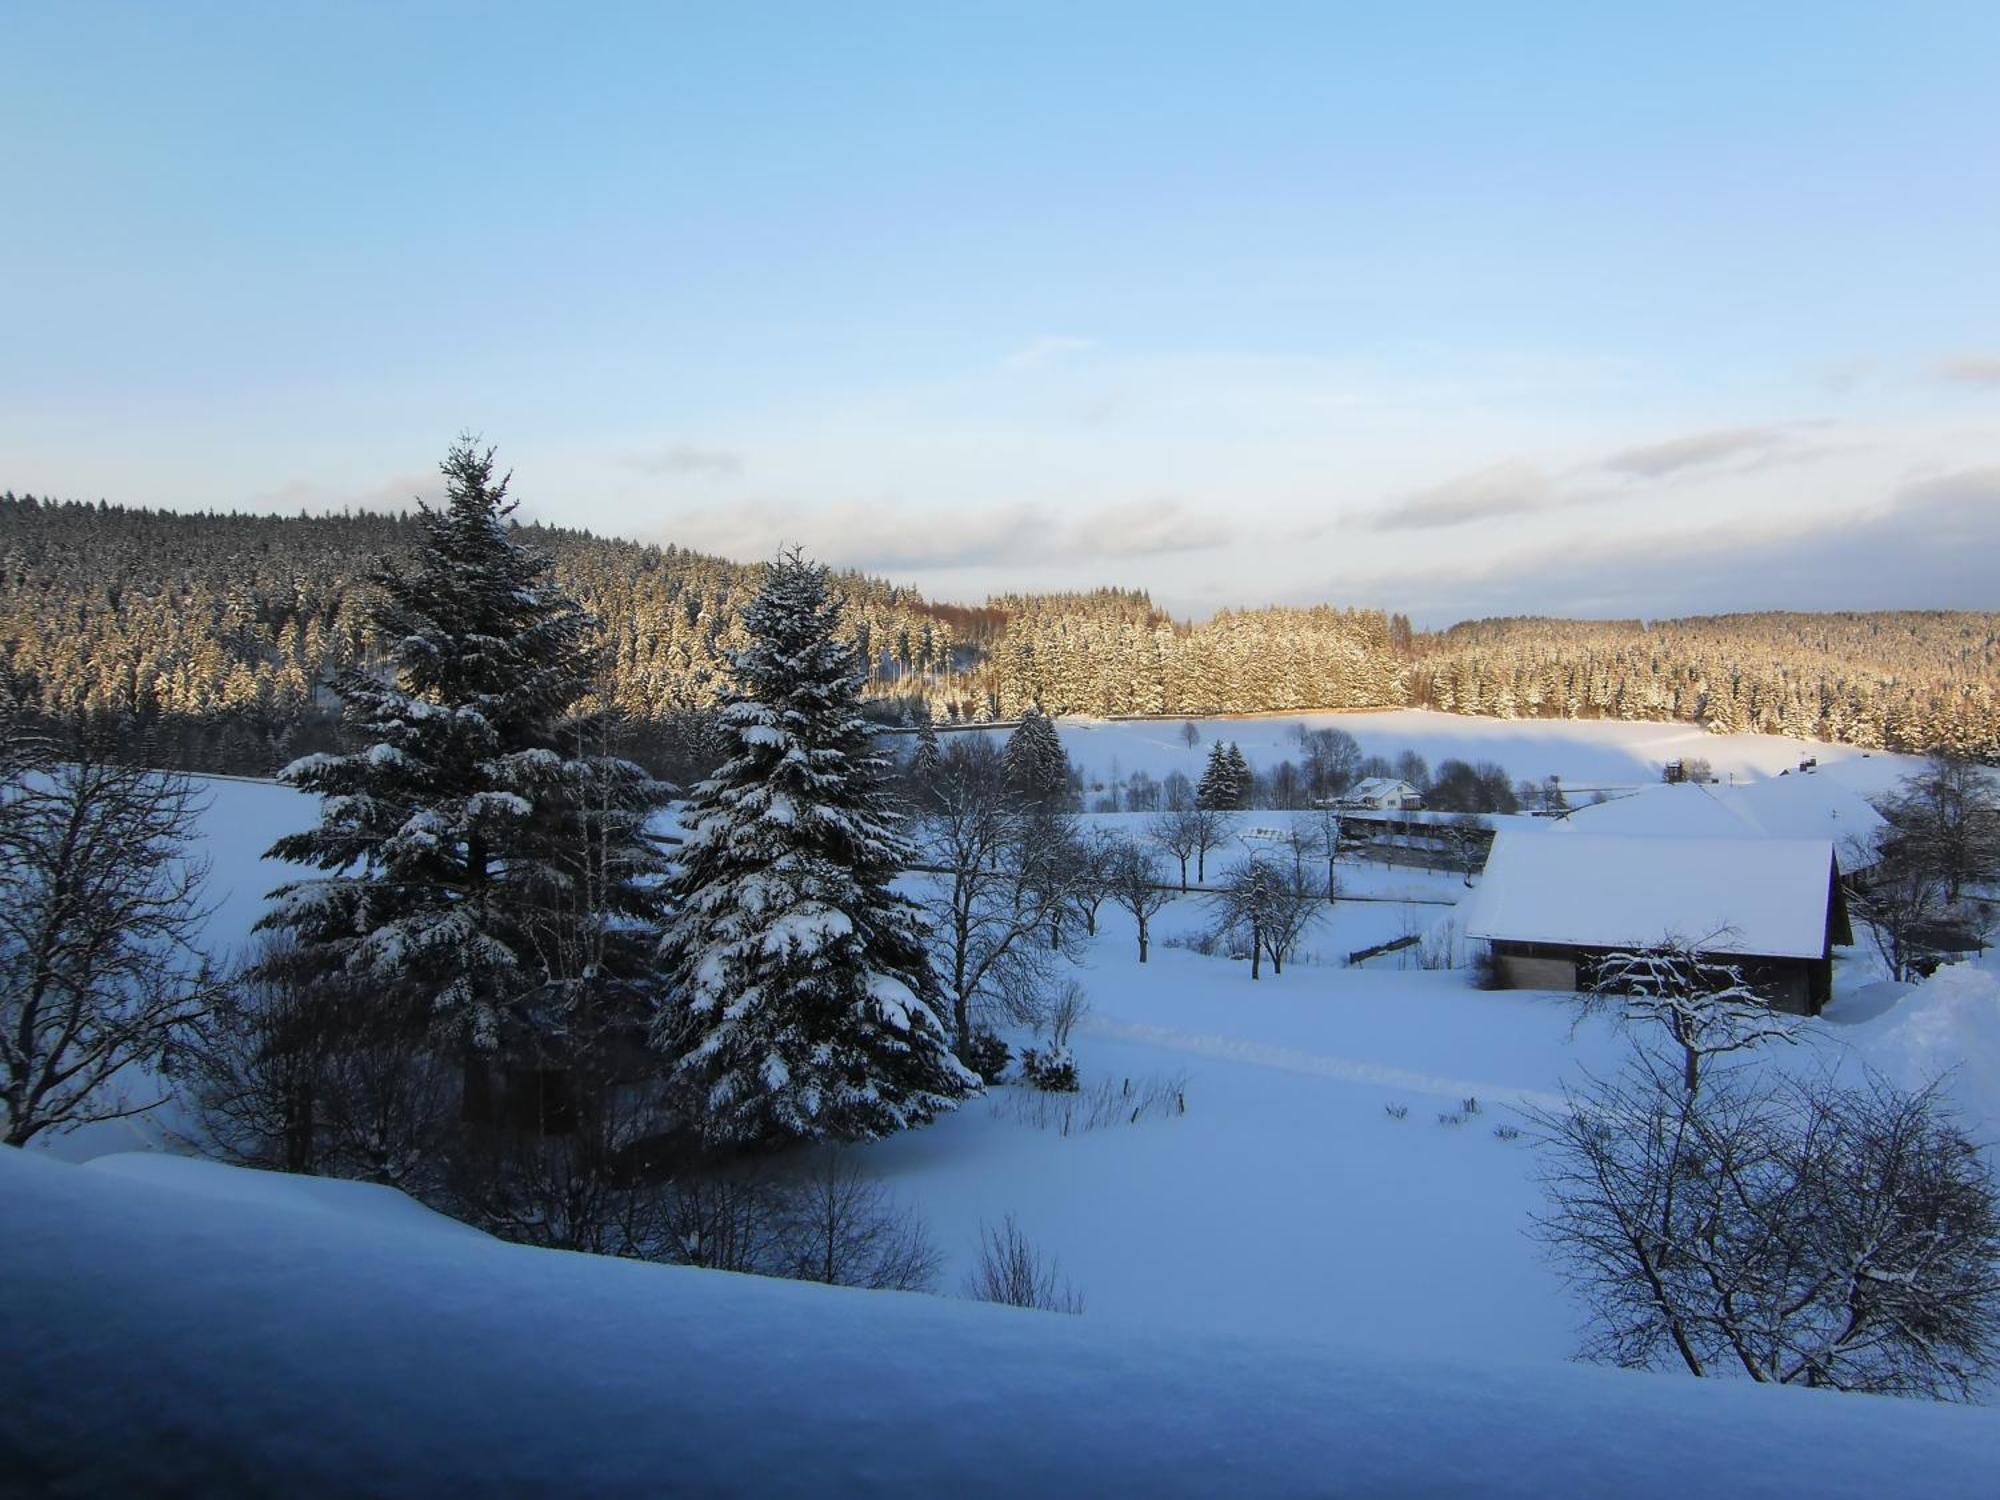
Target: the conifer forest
(214, 639)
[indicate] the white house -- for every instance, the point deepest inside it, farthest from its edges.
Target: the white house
(1553, 906)
(1382, 792)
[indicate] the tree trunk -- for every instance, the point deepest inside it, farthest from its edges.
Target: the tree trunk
(476, 1098)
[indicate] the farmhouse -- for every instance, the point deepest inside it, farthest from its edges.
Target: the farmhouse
(1380, 792)
(1553, 907)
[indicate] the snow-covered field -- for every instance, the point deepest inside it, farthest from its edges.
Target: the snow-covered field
(199, 1330)
(1287, 1204)
(1585, 753)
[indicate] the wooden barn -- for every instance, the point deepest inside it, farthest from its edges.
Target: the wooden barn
(1552, 907)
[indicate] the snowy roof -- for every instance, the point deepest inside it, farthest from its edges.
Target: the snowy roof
(1380, 786)
(1781, 807)
(1767, 897)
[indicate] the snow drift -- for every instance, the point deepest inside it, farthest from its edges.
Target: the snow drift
(1946, 1028)
(188, 1329)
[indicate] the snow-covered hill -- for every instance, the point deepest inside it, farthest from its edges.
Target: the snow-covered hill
(168, 1335)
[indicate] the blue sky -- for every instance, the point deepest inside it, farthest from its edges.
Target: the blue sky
(1460, 309)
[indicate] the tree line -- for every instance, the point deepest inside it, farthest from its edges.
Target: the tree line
(212, 641)
(1912, 681)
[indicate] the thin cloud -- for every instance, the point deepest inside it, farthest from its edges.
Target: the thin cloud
(1971, 369)
(1143, 529)
(684, 461)
(1924, 548)
(852, 534)
(886, 537)
(1510, 489)
(1657, 460)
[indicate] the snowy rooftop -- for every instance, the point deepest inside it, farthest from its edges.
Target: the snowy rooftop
(1370, 788)
(1755, 896)
(1780, 807)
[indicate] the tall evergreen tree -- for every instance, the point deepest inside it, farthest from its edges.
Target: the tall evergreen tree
(1037, 764)
(1242, 780)
(477, 850)
(1224, 780)
(804, 1004)
(927, 760)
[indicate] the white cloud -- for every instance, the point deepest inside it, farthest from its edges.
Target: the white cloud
(683, 460)
(1971, 369)
(1505, 489)
(1657, 460)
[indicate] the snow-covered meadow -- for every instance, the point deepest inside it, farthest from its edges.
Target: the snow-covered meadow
(1323, 1189)
(1288, 1198)
(1585, 753)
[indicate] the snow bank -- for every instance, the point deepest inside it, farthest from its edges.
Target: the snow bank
(163, 1342)
(1948, 1026)
(382, 1207)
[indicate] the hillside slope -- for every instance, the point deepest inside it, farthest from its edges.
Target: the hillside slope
(167, 1339)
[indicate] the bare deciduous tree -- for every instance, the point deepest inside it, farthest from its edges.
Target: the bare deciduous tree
(1705, 1004)
(1270, 906)
(1096, 858)
(1327, 816)
(1905, 905)
(1012, 1272)
(1799, 1232)
(101, 972)
(1945, 820)
(1190, 834)
(994, 897)
(1136, 886)
(1467, 838)
(308, 1072)
(840, 1226)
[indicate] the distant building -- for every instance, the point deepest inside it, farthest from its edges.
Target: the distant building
(1382, 793)
(1553, 906)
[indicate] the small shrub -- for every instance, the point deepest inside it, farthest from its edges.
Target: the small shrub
(1053, 1071)
(1451, 1117)
(1485, 968)
(1438, 948)
(1470, 1106)
(1094, 1108)
(1204, 942)
(1506, 1132)
(1012, 1272)
(987, 1055)
(1396, 1111)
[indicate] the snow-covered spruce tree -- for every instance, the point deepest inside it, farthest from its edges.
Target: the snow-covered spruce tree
(802, 1001)
(478, 831)
(926, 760)
(1216, 791)
(1037, 764)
